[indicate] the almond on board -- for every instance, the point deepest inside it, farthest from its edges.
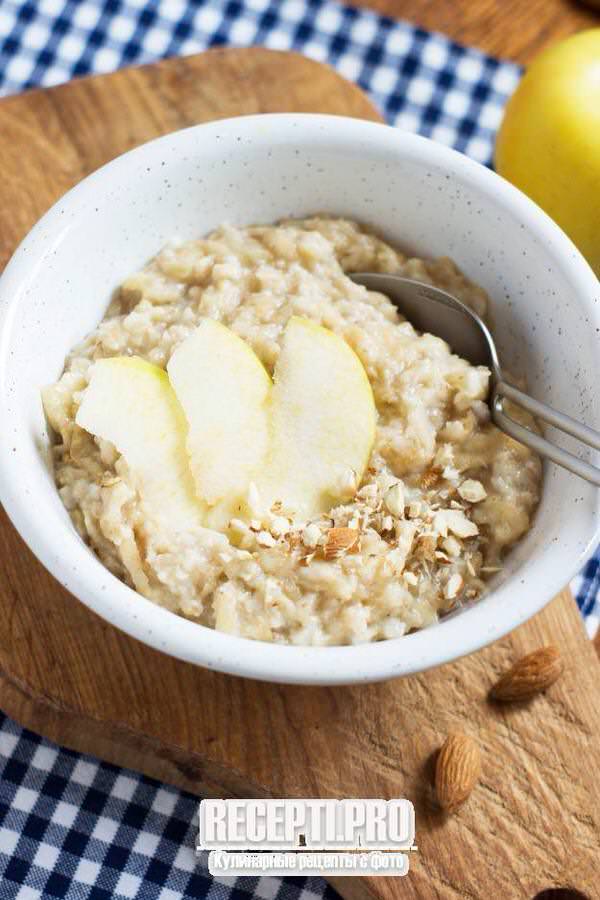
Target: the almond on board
(457, 770)
(529, 676)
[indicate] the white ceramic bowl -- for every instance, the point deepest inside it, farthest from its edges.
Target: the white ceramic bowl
(425, 197)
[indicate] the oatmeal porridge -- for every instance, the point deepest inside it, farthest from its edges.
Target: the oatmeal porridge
(444, 495)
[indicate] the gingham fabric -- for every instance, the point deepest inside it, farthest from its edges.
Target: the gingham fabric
(421, 81)
(71, 826)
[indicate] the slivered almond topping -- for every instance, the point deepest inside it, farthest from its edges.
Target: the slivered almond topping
(265, 539)
(429, 479)
(454, 520)
(394, 499)
(293, 540)
(453, 586)
(452, 546)
(529, 676)
(416, 509)
(311, 536)
(340, 540)
(279, 526)
(426, 547)
(472, 491)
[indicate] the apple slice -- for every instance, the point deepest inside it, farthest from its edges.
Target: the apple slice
(224, 389)
(130, 403)
(322, 420)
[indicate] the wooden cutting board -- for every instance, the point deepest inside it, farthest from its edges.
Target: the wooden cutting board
(534, 821)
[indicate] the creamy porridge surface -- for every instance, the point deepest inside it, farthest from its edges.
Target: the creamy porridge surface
(445, 493)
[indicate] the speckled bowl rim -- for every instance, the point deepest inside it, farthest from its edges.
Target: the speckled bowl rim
(97, 588)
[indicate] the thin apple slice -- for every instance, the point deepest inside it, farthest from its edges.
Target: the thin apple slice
(322, 420)
(223, 389)
(130, 403)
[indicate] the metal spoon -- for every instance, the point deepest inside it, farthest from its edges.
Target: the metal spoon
(437, 312)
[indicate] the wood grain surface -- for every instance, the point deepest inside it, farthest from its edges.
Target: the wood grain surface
(531, 824)
(513, 29)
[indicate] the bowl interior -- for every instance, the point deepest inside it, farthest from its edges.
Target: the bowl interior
(423, 197)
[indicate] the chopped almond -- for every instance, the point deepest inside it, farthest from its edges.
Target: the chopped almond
(340, 540)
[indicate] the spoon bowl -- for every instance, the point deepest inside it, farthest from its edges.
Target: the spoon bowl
(434, 311)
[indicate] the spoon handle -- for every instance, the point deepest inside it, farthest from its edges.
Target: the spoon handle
(588, 436)
(544, 412)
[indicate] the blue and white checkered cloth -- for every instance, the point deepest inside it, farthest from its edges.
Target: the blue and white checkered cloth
(70, 826)
(421, 81)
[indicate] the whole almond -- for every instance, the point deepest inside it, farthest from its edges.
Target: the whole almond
(457, 770)
(529, 676)
(340, 540)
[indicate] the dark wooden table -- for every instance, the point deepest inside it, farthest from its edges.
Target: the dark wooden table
(513, 29)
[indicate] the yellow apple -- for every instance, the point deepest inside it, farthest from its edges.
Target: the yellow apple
(130, 403)
(224, 391)
(323, 421)
(304, 438)
(195, 439)
(549, 141)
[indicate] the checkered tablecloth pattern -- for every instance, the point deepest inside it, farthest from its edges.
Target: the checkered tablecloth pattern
(421, 81)
(70, 826)
(76, 828)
